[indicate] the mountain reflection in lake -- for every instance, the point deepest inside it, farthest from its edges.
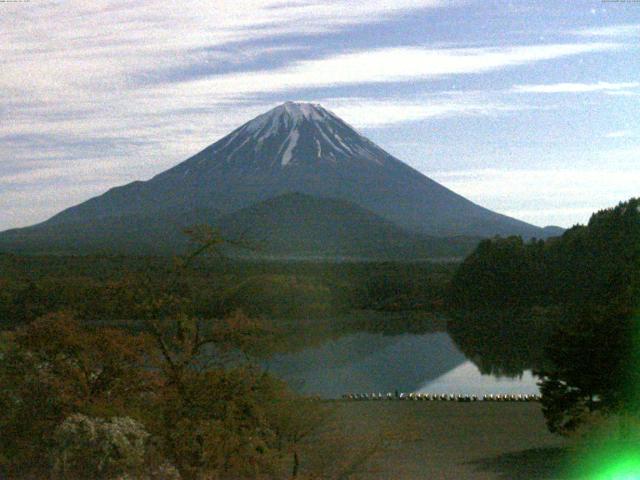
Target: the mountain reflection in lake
(372, 362)
(466, 379)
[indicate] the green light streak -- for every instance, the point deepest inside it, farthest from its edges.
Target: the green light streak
(611, 451)
(607, 465)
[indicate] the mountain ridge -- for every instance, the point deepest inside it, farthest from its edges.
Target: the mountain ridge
(287, 226)
(325, 227)
(294, 147)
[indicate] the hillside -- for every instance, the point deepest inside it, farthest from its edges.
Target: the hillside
(290, 225)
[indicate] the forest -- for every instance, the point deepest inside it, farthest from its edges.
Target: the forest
(568, 308)
(113, 288)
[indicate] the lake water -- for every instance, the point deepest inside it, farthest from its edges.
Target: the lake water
(466, 379)
(367, 362)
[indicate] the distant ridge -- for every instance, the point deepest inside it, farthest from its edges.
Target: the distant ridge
(302, 225)
(291, 225)
(295, 147)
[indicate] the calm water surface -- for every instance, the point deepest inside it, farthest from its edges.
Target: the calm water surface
(368, 362)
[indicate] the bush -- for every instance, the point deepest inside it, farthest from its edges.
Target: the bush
(94, 448)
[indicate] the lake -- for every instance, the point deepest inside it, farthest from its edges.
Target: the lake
(374, 362)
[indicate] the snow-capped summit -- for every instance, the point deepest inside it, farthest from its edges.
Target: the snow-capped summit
(304, 148)
(302, 110)
(290, 113)
(293, 133)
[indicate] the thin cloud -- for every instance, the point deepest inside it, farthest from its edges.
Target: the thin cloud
(575, 87)
(623, 93)
(622, 30)
(621, 134)
(174, 112)
(23, 206)
(388, 65)
(377, 113)
(89, 44)
(547, 189)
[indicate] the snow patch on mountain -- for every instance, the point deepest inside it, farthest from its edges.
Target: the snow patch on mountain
(292, 142)
(244, 142)
(287, 115)
(277, 136)
(307, 111)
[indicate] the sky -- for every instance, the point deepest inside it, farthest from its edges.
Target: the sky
(529, 108)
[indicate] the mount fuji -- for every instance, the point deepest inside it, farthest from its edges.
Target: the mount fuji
(295, 147)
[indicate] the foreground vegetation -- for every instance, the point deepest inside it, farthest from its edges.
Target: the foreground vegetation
(127, 422)
(116, 366)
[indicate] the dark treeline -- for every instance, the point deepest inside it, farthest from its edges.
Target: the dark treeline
(566, 307)
(113, 289)
(501, 304)
(591, 265)
(302, 303)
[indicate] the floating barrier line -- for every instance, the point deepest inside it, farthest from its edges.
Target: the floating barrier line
(445, 397)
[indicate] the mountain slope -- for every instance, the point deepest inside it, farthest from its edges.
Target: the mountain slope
(292, 148)
(302, 225)
(292, 225)
(307, 149)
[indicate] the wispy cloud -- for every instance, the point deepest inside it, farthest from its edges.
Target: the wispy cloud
(156, 109)
(554, 196)
(623, 93)
(366, 112)
(22, 206)
(103, 44)
(622, 30)
(388, 65)
(575, 87)
(621, 134)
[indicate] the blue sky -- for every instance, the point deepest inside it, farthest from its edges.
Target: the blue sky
(530, 108)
